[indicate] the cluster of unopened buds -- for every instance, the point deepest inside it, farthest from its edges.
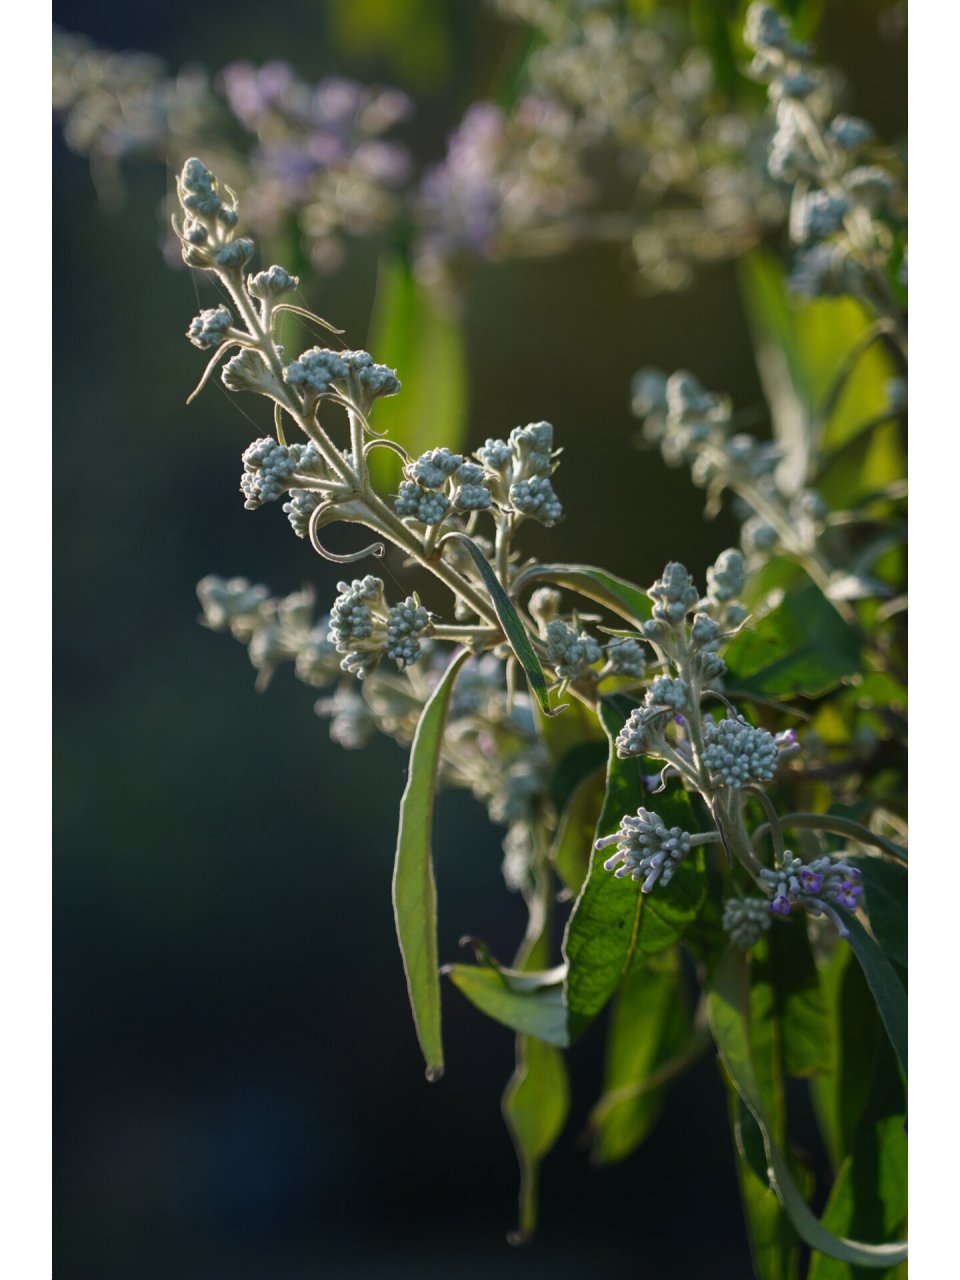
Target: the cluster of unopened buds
(841, 197)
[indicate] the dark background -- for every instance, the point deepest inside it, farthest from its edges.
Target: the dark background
(239, 1091)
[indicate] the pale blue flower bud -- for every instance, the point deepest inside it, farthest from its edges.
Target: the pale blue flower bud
(820, 886)
(570, 654)
(406, 622)
(536, 498)
(272, 283)
(434, 468)
(417, 503)
(626, 658)
(816, 215)
(673, 595)
(850, 132)
(299, 509)
(235, 254)
(209, 328)
(746, 920)
(727, 578)
(315, 370)
(647, 849)
(737, 754)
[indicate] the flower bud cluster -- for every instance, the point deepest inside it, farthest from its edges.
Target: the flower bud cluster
(738, 755)
(571, 653)
(820, 886)
(693, 427)
(646, 849)
(352, 723)
(210, 216)
(836, 196)
(352, 376)
(364, 628)
(210, 328)
(518, 471)
(232, 605)
(268, 468)
(625, 658)
(439, 483)
(746, 920)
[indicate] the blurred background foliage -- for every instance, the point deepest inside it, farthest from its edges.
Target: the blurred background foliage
(239, 1091)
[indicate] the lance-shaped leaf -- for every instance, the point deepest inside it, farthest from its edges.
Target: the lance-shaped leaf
(885, 892)
(802, 646)
(535, 1107)
(621, 597)
(534, 1008)
(885, 986)
(649, 1024)
(414, 888)
(573, 844)
(727, 1003)
(613, 924)
(513, 628)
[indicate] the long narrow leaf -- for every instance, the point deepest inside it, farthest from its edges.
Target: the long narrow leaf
(513, 628)
(887, 988)
(535, 1107)
(414, 888)
(620, 596)
(727, 1003)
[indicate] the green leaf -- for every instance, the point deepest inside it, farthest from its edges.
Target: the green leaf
(802, 646)
(617, 594)
(412, 331)
(727, 1004)
(649, 1022)
(806, 1031)
(774, 1245)
(414, 888)
(535, 1011)
(869, 1196)
(573, 843)
(513, 628)
(613, 925)
(535, 1107)
(886, 987)
(885, 894)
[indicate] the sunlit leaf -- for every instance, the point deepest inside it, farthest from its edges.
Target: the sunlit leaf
(802, 646)
(614, 925)
(728, 1005)
(536, 1011)
(414, 888)
(617, 594)
(535, 1107)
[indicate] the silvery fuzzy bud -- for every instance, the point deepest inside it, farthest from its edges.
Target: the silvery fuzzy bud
(746, 920)
(849, 132)
(318, 662)
(357, 624)
(536, 498)
(820, 886)
(209, 328)
(406, 622)
(646, 849)
(246, 371)
(570, 654)
(793, 84)
(545, 604)
(686, 398)
(198, 190)
(235, 254)
(705, 632)
(471, 492)
(816, 215)
(737, 754)
(352, 723)
(757, 537)
(313, 372)
(300, 507)
(626, 658)
(417, 503)
(495, 454)
(726, 578)
(765, 29)
(369, 380)
(433, 469)
(649, 392)
(532, 448)
(665, 691)
(642, 732)
(232, 604)
(271, 284)
(673, 594)
(267, 468)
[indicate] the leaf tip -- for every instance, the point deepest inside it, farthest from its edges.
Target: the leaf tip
(518, 1237)
(556, 710)
(434, 1072)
